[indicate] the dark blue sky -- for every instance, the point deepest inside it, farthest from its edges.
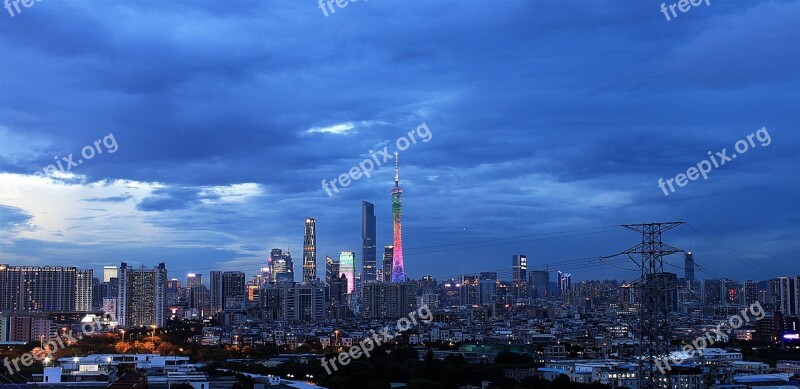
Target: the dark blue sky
(546, 117)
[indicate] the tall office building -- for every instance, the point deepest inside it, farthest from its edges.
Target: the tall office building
(347, 261)
(468, 291)
(487, 287)
(109, 272)
(388, 253)
(142, 296)
(282, 265)
(398, 266)
(310, 252)
(519, 266)
(688, 266)
(788, 301)
(233, 286)
(332, 270)
(33, 288)
(225, 286)
(538, 281)
(369, 251)
(84, 289)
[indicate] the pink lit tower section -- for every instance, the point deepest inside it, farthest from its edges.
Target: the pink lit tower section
(398, 268)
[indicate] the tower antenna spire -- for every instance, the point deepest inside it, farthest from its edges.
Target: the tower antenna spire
(396, 171)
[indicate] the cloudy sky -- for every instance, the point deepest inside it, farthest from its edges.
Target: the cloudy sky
(550, 121)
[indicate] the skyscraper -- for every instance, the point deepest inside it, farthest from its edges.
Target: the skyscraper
(84, 289)
(538, 281)
(310, 252)
(398, 267)
(519, 265)
(347, 261)
(331, 270)
(387, 263)
(233, 285)
(368, 250)
(142, 296)
(688, 265)
(788, 302)
(215, 292)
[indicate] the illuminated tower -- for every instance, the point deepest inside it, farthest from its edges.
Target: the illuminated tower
(398, 269)
(347, 262)
(310, 252)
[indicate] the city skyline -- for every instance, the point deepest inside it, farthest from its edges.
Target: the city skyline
(548, 130)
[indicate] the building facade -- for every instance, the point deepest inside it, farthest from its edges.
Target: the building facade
(369, 252)
(310, 252)
(142, 296)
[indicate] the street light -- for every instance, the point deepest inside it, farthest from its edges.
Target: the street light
(154, 330)
(123, 334)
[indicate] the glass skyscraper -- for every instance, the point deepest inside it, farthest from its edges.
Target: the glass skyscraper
(310, 252)
(347, 262)
(369, 252)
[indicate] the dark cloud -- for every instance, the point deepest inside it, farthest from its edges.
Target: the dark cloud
(546, 116)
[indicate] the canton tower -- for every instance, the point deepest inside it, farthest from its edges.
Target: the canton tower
(398, 270)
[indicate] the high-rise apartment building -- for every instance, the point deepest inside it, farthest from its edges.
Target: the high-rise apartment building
(388, 253)
(233, 286)
(712, 292)
(789, 301)
(289, 301)
(310, 252)
(369, 251)
(750, 292)
(84, 290)
(347, 261)
(142, 298)
(389, 300)
(215, 292)
(224, 286)
(33, 288)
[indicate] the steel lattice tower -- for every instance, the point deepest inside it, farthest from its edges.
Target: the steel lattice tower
(398, 265)
(654, 328)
